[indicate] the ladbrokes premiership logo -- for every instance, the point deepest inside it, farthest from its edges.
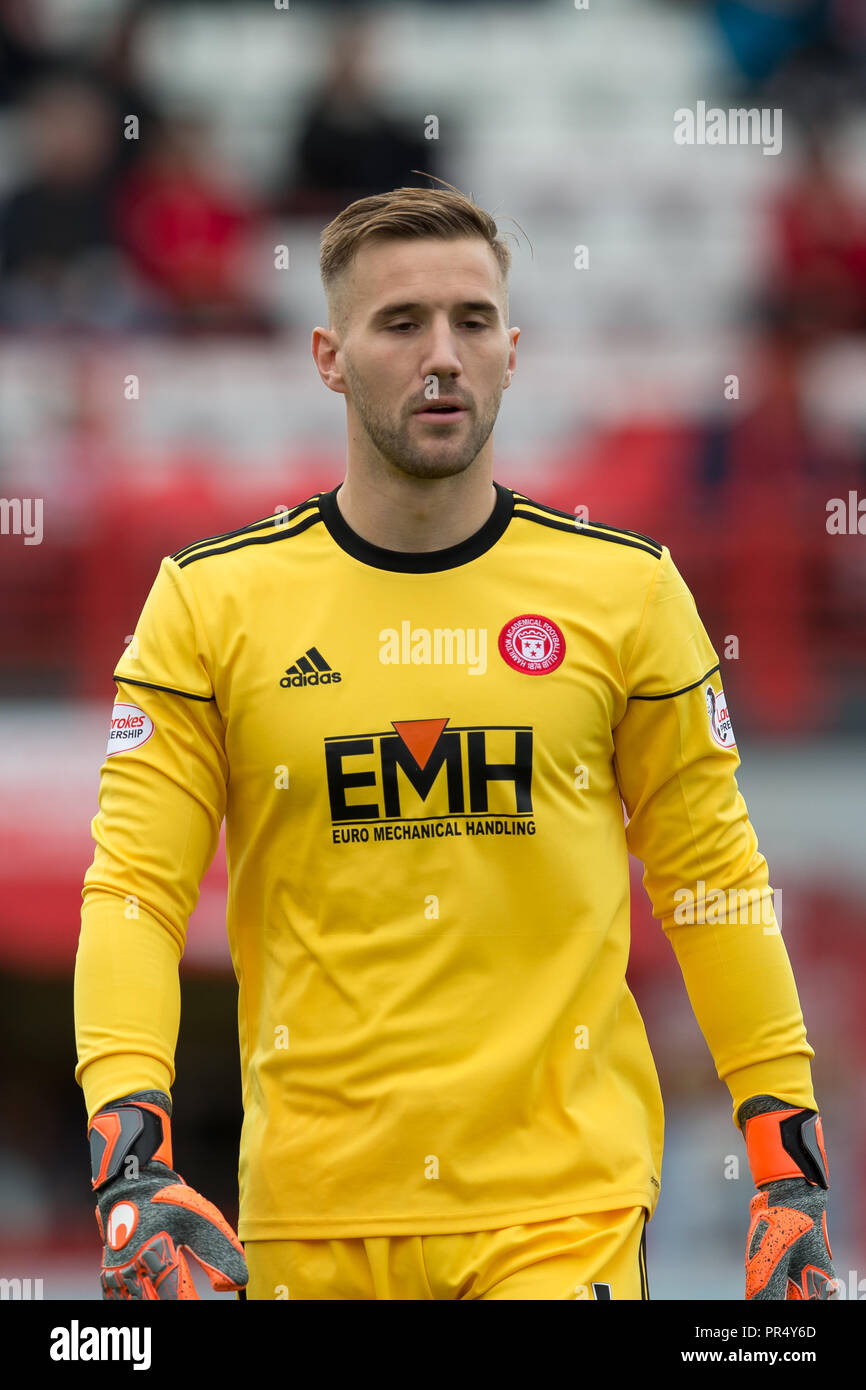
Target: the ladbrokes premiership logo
(532, 644)
(721, 727)
(423, 780)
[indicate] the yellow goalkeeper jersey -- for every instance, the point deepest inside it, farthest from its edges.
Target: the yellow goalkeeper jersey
(432, 768)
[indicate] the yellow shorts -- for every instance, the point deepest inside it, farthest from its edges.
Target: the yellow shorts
(595, 1255)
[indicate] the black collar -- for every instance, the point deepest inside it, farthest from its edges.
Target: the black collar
(417, 562)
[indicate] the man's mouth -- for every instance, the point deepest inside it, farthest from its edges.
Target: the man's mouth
(441, 413)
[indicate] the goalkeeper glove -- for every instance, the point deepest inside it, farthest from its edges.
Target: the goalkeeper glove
(149, 1220)
(788, 1253)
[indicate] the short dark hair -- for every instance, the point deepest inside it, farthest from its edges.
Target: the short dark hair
(445, 213)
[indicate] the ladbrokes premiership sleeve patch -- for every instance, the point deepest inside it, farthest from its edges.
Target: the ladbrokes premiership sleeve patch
(721, 727)
(130, 728)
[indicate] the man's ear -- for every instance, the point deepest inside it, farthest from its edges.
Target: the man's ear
(324, 345)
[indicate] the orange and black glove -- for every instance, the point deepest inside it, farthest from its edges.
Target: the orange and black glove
(787, 1250)
(150, 1221)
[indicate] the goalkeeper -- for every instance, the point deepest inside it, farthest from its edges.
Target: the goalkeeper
(436, 716)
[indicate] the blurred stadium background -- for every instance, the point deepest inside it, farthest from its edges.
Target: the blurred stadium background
(155, 256)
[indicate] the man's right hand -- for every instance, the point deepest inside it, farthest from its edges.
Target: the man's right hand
(149, 1219)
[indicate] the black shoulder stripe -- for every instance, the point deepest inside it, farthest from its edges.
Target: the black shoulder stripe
(644, 1277)
(542, 506)
(602, 525)
(669, 695)
(578, 529)
(278, 533)
(623, 531)
(250, 527)
(169, 690)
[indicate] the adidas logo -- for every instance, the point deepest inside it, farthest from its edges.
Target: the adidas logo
(310, 669)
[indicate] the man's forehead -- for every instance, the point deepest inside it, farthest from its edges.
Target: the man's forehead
(423, 269)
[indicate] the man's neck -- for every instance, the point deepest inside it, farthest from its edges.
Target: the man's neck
(416, 515)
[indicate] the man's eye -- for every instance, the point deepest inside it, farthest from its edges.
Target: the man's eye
(469, 323)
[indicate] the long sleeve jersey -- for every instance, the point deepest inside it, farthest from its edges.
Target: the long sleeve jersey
(432, 768)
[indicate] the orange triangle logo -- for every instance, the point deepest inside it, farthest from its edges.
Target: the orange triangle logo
(420, 736)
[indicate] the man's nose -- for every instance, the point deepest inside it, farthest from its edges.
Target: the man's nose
(442, 357)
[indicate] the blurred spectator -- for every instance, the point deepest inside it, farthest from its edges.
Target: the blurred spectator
(819, 256)
(129, 96)
(764, 34)
(186, 235)
(26, 57)
(766, 579)
(23, 56)
(55, 227)
(806, 56)
(349, 146)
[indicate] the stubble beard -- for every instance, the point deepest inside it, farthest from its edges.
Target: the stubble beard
(399, 442)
